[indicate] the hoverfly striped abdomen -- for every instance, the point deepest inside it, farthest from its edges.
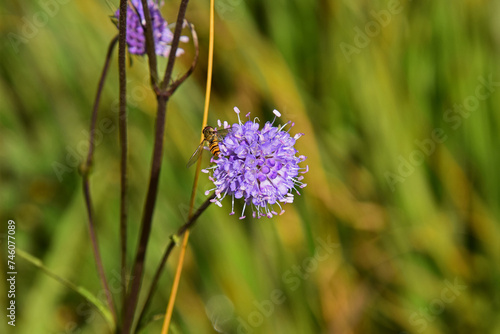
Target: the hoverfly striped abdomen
(214, 148)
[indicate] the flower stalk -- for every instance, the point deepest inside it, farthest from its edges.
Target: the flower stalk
(122, 126)
(162, 99)
(85, 169)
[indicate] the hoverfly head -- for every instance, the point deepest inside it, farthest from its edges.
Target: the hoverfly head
(208, 131)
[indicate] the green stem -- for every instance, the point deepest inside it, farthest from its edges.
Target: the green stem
(101, 307)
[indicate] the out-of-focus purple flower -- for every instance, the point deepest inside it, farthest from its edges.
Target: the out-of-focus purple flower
(258, 165)
(162, 35)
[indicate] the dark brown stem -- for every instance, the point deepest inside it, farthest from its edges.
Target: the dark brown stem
(85, 170)
(95, 248)
(189, 223)
(179, 81)
(150, 45)
(138, 268)
(175, 44)
(122, 126)
(162, 99)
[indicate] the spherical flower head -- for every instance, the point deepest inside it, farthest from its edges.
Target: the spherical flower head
(136, 40)
(258, 165)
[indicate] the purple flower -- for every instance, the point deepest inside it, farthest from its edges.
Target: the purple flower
(162, 35)
(258, 165)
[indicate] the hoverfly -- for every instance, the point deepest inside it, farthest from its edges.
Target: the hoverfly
(212, 137)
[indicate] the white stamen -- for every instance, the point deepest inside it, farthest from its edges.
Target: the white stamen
(232, 205)
(237, 111)
(243, 211)
(297, 136)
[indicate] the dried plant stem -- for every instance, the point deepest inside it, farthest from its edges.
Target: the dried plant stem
(175, 285)
(85, 171)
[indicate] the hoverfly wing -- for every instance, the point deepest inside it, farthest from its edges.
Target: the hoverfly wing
(222, 133)
(195, 155)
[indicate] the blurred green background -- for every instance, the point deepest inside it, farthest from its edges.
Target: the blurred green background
(398, 102)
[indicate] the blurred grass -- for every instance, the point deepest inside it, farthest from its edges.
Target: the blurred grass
(396, 248)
